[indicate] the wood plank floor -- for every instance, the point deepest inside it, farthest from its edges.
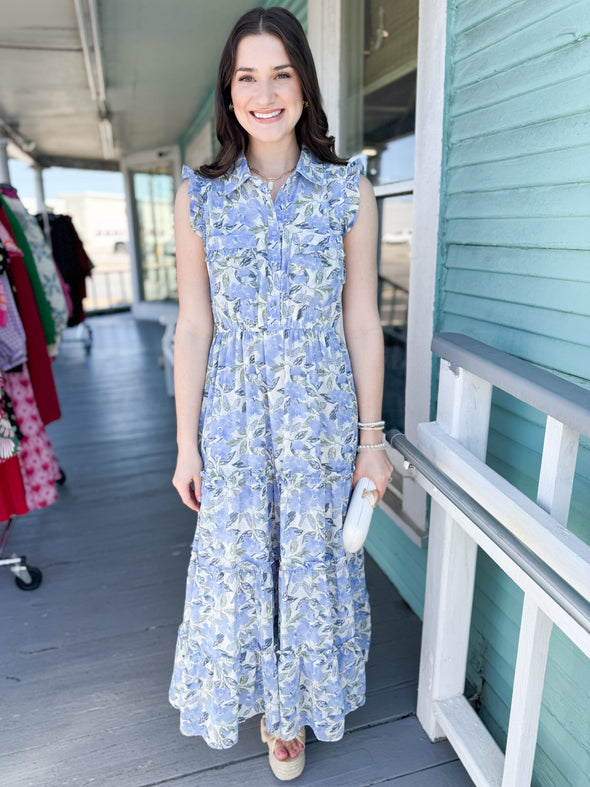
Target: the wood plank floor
(85, 660)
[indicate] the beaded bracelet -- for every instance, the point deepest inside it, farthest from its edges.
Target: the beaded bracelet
(370, 425)
(372, 446)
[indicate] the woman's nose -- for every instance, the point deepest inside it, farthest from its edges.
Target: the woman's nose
(266, 92)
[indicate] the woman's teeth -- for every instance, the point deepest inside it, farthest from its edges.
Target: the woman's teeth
(266, 115)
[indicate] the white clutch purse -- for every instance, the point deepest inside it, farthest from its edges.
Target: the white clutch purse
(363, 502)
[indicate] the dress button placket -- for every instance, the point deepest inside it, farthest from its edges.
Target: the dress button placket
(274, 257)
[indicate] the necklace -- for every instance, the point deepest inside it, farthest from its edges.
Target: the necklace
(270, 182)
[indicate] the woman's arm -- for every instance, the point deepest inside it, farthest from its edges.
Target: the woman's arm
(364, 335)
(192, 341)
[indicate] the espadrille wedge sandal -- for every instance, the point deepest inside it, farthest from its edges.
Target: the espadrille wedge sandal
(288, 769)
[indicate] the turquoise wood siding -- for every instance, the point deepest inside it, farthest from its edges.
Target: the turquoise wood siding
(402, 561)
(514, 271)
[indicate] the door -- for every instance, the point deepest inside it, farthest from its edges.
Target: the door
(151, 179)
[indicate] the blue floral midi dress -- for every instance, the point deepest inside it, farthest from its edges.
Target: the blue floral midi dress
(276, 618)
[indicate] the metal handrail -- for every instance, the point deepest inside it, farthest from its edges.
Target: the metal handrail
(572, 602)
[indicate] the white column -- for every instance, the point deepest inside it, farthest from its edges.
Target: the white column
(429, 132)
(4, 171)
(41, 206)
(335, 34)
(324, 26)
(427, 180)
(39, 188)
(134, 250)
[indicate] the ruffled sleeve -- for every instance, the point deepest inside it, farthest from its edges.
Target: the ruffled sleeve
(354, 169)
(196, 194)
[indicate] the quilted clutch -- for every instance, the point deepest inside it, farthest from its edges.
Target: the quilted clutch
(363, 502)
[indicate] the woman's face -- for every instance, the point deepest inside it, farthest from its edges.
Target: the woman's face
(265, 89)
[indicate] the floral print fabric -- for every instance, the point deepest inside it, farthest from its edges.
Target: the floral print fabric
(45, 265)
(276, 618)
(39, 466)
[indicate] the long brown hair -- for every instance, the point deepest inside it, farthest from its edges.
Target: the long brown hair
(312, 127)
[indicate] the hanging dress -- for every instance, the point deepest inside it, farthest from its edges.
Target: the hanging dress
(44, 263)
(38, 359)
(276, 617)
(10, 220)
(38, 464)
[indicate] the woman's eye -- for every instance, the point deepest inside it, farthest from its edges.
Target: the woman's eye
(245, 78)
(283, 76)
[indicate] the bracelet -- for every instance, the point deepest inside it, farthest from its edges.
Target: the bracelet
(371, 428)
(372, 446)
(370, 424)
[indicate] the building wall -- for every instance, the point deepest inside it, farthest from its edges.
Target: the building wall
(514, 272)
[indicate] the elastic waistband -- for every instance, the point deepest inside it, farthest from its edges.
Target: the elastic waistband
(263, 329)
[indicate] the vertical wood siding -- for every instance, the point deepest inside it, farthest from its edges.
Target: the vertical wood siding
(514, 271)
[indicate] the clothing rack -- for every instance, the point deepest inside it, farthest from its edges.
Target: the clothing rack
(35, 308)
(26, 577)
(83, 334)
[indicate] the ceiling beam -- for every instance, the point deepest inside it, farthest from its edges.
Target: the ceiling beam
(74, 162)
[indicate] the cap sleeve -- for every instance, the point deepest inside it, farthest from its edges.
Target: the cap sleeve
(196, 194)
(354, 169)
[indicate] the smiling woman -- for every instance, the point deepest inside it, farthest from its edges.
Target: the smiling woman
(278, 352)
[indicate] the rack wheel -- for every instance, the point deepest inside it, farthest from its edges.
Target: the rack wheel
(61, 478)
(36, 577)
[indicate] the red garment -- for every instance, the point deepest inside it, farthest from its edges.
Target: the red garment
(38, 358)
(37, 461)
(12, 492)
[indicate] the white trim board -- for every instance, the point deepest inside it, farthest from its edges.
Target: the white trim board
(427, 184)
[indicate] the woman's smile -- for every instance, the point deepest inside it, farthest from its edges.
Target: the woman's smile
(269, 117)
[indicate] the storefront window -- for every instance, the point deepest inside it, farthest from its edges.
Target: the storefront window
(154, 200)
(389, 103)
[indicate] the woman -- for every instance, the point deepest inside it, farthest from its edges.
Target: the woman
(275, 243)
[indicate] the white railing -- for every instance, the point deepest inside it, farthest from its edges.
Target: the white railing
(108, 289)
(472, 506)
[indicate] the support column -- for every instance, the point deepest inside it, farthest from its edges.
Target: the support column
(4, 172)
(41, 206)
(335, 33)
(134, 246)
(324, 25)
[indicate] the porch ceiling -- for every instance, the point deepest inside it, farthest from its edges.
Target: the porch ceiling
(159, 59)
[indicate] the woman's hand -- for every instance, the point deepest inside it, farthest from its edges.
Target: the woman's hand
(187, 478)
(374, 465)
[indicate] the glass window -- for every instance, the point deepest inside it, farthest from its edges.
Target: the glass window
(389, 104)
(389, 89)
(395, 221)
(154, 205)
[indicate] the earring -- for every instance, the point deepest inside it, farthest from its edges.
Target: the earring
(305, 104)
(231, 107)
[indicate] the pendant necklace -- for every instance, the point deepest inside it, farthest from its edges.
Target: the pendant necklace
(270, 182)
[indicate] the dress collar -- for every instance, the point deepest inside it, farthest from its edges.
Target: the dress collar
(308, 165)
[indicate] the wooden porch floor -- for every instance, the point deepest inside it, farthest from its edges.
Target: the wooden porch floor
(86, 658)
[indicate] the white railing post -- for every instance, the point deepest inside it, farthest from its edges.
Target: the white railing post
(463, 412)
(558, 467)
(556, 481)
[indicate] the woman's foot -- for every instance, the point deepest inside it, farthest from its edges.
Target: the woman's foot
(285, 749)
(287, 758)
